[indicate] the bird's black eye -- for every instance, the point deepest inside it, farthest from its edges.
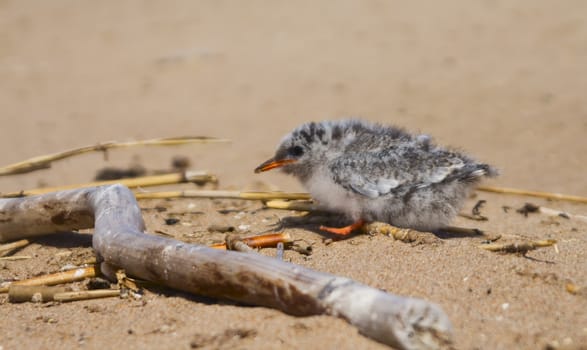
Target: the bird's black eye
(296, 151)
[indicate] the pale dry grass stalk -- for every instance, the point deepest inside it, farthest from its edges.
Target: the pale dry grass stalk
(44, 161)
(56, 278)
(8, 248)
(20, 294)
(547, 195)
(293, 205)
(223, 195)
(86, 294)
(143, 181)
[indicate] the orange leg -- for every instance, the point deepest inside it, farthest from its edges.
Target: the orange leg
(343, 231)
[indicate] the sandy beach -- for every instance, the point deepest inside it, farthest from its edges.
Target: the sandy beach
(499, 80)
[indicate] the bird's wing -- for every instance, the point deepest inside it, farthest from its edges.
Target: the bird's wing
(378, 174)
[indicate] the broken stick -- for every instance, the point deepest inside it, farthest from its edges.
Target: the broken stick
(406, 323)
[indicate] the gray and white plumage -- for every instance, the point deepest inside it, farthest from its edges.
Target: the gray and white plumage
(378, 173)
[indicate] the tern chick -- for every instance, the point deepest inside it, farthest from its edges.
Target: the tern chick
(370, 172)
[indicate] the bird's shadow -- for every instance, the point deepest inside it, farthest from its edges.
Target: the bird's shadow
(313, 221)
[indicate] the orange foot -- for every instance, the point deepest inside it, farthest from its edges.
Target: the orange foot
(343, 231)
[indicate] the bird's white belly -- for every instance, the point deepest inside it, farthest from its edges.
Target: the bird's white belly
(332, 196)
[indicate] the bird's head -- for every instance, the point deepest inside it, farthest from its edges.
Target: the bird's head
(307, 147)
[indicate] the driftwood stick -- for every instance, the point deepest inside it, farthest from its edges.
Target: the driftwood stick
(44, 162)
(143, 181)
(406, 323)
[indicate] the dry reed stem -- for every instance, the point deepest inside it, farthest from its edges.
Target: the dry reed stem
(293, 205)
(143, 181)
(15, 257)
(86, 294)
(56, 278)
(262, 241)
(518, 248)
(44, 161)
(9, 248)
(222, 195)
(547, 195)
(20, 294)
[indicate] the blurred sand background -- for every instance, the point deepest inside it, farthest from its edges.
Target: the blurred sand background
(503, 80)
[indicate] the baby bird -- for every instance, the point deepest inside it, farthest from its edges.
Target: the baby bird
(370, 172)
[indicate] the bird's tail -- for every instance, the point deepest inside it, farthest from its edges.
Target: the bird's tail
(477, 171)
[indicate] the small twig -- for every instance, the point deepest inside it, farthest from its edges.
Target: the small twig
(293, 205)
(302, 247)
(56, 278)
(144, 181)
(86, 294)
(533, 208)
(9, 248)
(125, 282)
(44, 162)
(518, 248)
(476, 212)
(547, 195)
(223, 195)
(400, 234)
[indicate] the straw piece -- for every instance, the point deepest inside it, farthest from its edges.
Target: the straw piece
(20, 294)
(9, 248)
(223, 194)
(56, 278)
(15, 257)
(518, 248)
(262, 241)
(547, 195)
(293, 205)
(44, 162)
(86, 294)
(144, 181)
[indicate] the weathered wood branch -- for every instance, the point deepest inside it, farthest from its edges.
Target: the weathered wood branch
(406, 323)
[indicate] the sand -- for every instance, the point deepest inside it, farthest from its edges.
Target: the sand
(503, 81)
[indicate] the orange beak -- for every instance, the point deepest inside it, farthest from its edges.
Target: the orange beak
(272, 164)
